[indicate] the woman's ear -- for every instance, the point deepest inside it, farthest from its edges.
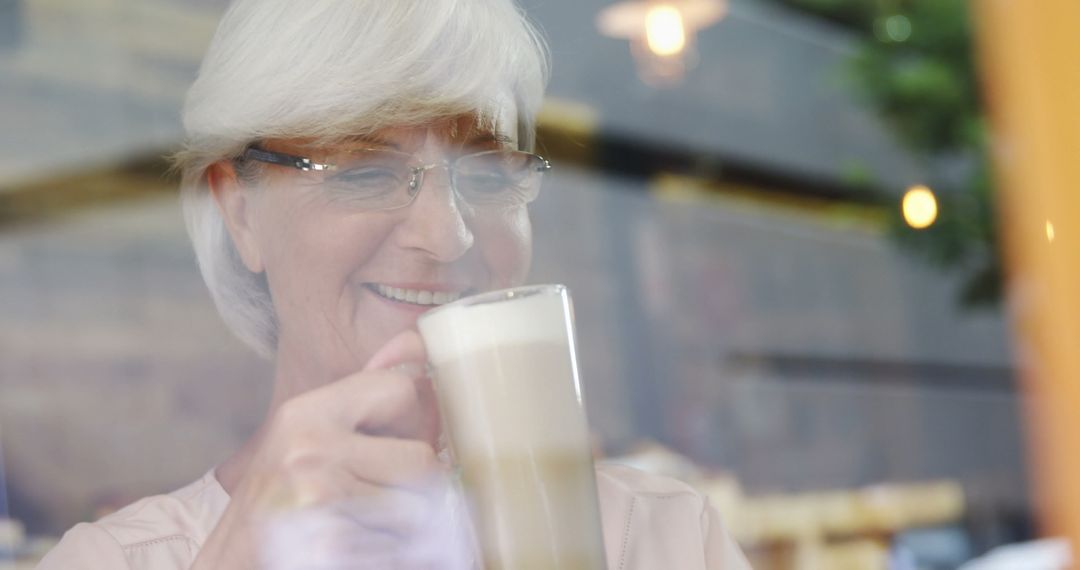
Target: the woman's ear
(237, 210)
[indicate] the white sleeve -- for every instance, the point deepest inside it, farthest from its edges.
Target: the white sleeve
(721, 551)
(85, 547)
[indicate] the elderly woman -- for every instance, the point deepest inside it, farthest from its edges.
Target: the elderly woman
(351, 164)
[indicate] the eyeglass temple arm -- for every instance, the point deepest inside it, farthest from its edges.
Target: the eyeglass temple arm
(280, 158)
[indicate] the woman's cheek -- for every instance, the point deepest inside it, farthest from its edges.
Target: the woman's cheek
(507, 245)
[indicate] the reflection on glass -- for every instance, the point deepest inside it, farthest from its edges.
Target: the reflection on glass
(750, 326)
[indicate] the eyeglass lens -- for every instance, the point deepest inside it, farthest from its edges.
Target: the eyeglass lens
(382, 178)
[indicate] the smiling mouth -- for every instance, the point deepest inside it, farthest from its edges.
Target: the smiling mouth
(419, 297)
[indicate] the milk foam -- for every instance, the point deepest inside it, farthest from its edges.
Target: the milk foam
(533, 405)
(460, 328)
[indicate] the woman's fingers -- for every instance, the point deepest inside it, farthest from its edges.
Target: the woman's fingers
(359, 454)
(379, 402)
(405, 353)
(405, 348)
(391, 396)
(398, 403)
(411, 464)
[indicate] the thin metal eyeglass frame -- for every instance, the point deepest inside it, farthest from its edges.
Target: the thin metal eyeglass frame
(416, 173)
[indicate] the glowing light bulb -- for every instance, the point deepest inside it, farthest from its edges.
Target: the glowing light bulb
(665, 33)
(1049, 231)
(920, 207)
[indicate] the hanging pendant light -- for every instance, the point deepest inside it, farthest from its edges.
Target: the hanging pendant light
(661, 33)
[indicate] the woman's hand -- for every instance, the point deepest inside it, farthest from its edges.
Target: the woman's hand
(346, 475)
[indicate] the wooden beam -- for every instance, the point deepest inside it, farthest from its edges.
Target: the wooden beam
(1032, 83)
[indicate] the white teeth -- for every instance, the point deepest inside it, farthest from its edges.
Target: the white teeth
(417, 296)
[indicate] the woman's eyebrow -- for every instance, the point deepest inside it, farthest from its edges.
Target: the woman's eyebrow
(488, 138)
(372, 140)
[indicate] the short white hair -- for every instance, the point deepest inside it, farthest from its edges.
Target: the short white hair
(329, 69)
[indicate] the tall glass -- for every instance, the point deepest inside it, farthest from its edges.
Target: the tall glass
(506, 377)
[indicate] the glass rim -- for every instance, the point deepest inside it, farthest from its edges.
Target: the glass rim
(500, 296)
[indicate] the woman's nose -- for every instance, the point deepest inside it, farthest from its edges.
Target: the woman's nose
(434, 221)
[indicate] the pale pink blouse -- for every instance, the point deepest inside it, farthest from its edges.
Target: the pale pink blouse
(649, 523)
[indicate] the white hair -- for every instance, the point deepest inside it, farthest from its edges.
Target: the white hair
(328, 69)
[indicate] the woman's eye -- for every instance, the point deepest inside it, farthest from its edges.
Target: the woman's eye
(368, 176)
(487, 182)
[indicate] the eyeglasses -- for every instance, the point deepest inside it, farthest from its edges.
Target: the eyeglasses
(383, 179)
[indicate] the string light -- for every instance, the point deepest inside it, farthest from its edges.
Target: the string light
(920, 207)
